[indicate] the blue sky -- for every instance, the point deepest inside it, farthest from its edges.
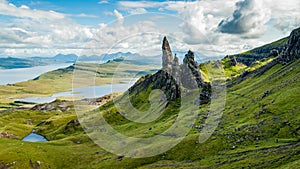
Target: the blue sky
(211, 27)
(96, 11)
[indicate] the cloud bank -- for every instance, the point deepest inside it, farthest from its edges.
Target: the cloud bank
(212, 27)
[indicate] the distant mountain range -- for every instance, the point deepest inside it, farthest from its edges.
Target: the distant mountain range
(12, 62)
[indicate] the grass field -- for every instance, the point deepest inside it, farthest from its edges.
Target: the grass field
(259, 129)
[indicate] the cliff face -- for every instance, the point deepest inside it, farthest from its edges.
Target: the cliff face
(292, 47)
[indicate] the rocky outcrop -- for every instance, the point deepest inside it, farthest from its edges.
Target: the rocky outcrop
(176, 70)
(167, 56)
(7, 135)
(173, 76)
(57, 105)
(101, 100)
(190, 72)
(160, 80)
(72, 125)
(292, 47)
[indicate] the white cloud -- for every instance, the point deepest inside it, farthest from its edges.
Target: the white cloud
(38, 32)
(103, 2)
(30, 29)
(102, 25)
(24, 11)
(285, 13)
(83, 15)
(116, 37)
(119, 16)
(141, 4)
(24, 7)
(137, 11)
(249, 17)
(107, 13)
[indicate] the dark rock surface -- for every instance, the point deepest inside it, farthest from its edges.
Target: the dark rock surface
(167, 56)
(176, 70)
(292, 48)
(173, 76)
(190, 72)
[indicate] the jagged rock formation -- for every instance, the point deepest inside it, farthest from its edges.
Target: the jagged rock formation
(292, 47)
(167, 57)
(176, 70)
(190, 72)
(173, 76)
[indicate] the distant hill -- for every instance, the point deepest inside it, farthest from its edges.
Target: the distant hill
(264, 52)
(12, 63)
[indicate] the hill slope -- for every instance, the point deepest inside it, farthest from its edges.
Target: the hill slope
(260, 126)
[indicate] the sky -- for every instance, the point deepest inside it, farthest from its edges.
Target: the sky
(95, 27)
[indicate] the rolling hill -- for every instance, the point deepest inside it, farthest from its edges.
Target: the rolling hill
(259, 127)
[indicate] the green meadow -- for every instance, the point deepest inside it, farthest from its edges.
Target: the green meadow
(259, 129)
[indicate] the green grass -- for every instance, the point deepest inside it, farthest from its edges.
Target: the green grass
(257, 130)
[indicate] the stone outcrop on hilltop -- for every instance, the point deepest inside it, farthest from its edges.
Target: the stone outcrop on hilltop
(292, 47)
(167, 56)
(190, 72)
(176, 70)
(174, 75)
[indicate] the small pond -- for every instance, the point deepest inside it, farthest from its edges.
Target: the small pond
(32, 137)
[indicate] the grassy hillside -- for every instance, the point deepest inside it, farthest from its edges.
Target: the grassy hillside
(259, 129)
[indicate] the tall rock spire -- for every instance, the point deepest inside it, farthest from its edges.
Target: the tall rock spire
(176, 72)
(167, 56)
(190, 75)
